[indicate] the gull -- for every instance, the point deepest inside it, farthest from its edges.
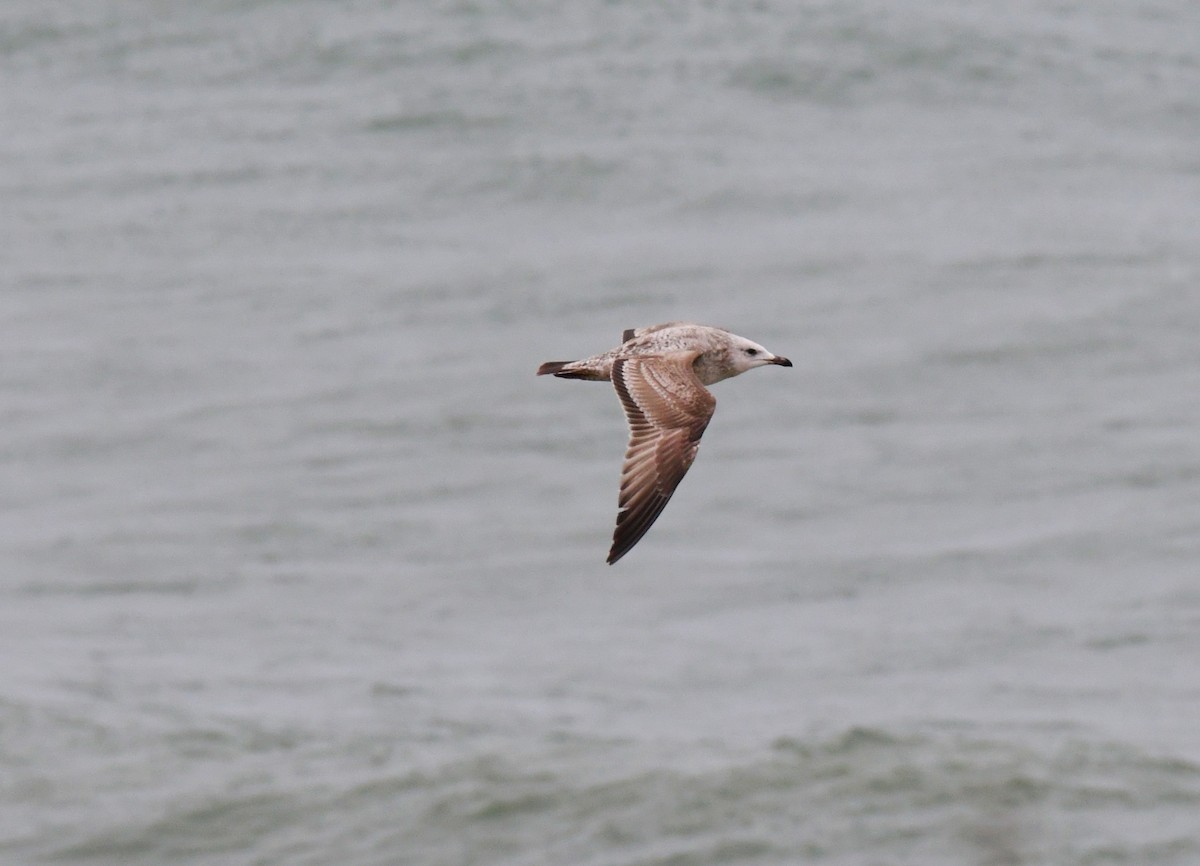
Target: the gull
(659, 374)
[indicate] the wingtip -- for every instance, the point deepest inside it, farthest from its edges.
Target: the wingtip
(622, 543)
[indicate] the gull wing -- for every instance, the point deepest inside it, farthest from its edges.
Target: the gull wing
(629, 333)
(667, 409)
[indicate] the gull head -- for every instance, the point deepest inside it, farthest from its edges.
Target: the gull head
(746, 355)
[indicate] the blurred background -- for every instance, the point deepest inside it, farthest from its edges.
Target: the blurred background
(301, 564)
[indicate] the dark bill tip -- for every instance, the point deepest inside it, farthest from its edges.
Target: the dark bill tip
(782, 362)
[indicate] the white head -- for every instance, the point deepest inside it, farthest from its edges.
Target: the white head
(746, 355)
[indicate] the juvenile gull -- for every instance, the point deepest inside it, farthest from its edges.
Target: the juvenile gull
(660, 373)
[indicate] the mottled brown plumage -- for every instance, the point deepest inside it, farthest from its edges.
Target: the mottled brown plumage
(659, 374)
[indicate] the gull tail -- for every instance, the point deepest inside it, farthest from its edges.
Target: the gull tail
(553, 367)
(570, 370)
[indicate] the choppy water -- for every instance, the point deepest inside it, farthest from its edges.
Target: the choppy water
(302, 565)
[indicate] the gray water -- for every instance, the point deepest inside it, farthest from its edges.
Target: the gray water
(301, 564)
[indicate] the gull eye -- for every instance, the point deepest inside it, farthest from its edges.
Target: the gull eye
(752, 352)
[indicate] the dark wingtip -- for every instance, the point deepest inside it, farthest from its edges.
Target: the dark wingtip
(614, 555)
(551, 367)
(628, 335)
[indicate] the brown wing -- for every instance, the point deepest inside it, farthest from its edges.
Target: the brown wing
(667, 409)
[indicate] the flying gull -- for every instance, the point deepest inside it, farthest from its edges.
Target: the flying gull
(660, 373)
